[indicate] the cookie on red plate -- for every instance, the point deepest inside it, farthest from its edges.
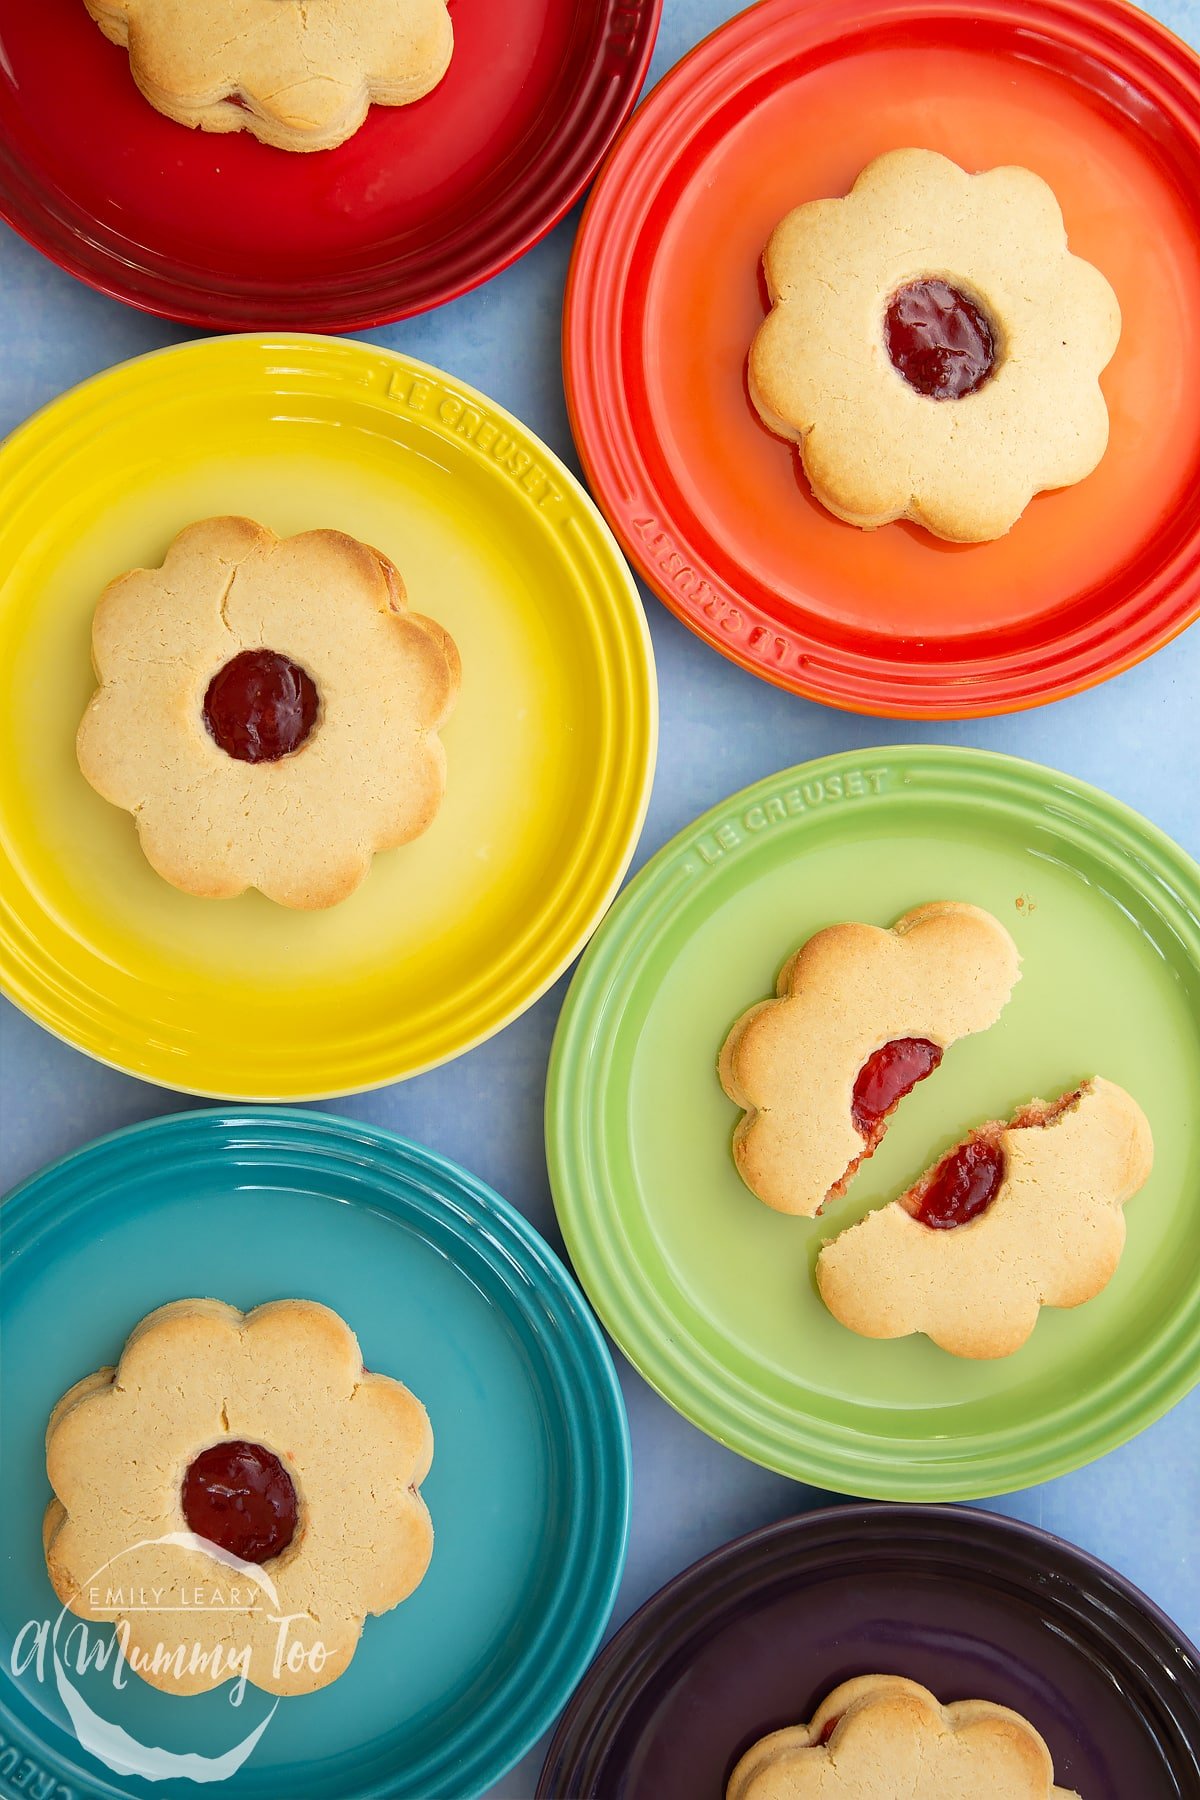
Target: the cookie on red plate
(298, 74)
(268, 711)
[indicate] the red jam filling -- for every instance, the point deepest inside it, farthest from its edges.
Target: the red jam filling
(963, 1185)
(241, 1498)
(886, 1077)
(829, 1727)
(940, 341)
(260, 706)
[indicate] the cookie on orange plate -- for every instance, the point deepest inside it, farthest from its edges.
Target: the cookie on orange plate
(268, 711)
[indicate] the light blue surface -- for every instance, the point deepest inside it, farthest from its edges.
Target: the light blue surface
(1137, 736)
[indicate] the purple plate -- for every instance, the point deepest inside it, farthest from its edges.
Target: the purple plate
(973, 1605)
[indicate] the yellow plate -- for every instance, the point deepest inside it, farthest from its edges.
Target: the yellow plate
(550, 752)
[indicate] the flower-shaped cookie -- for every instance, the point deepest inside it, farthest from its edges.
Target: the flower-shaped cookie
(299, 74)
(861, 1016)
(1016, 1217)
(933, 347)
(236, 1495)
(881, 1737)
(267, 711)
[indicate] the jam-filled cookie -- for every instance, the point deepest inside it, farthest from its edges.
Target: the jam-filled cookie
(262, 1435)
(268, 711)
(933, 347)
(298, 74)
(861, 1016)
(1014, 1218)
(880, 1736)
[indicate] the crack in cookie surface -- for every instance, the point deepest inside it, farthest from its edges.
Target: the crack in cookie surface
(943, 971)
(1050, 1232)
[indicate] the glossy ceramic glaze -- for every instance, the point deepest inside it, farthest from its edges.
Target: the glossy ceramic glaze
(710, 1293)
(973, 1606)
(422, 203)
(786, 104)
(447, 1288)
(449, 937)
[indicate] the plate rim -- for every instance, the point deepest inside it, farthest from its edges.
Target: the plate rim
(610, 447)
(534, 224)
(614, 1677)
(79, 403)
(237, 1131)
(649, 1334)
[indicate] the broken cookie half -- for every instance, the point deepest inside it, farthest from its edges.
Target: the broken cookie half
(861, 1015)
(1016, 1217)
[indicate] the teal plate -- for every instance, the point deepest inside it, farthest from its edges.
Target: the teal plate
(711, 1294)
(448, 1288)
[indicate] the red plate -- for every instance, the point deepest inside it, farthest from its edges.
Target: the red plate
(785, 104)
(421, 204)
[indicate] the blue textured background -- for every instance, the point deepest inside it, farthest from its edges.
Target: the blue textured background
(1136, 736)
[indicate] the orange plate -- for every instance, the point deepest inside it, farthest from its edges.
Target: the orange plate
(788, 103)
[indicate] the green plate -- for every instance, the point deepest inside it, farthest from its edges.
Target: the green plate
(709, 1293)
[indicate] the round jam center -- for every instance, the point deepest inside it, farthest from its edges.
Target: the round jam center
(240, 1497)
(939, 340)
(886, 1077)
(260, 706)
(829, 1727)
(963, 1186)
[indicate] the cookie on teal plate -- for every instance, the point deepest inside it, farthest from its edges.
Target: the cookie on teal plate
(449, 1289)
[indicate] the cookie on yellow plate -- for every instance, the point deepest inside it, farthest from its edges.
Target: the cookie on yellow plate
(268, 711)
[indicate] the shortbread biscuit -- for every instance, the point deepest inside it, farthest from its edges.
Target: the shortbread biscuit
(1042, 1199)
(879, 1736)
(298, 74)
(124, 1450)
(943, 971)
(360, 681)
(933, 347)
